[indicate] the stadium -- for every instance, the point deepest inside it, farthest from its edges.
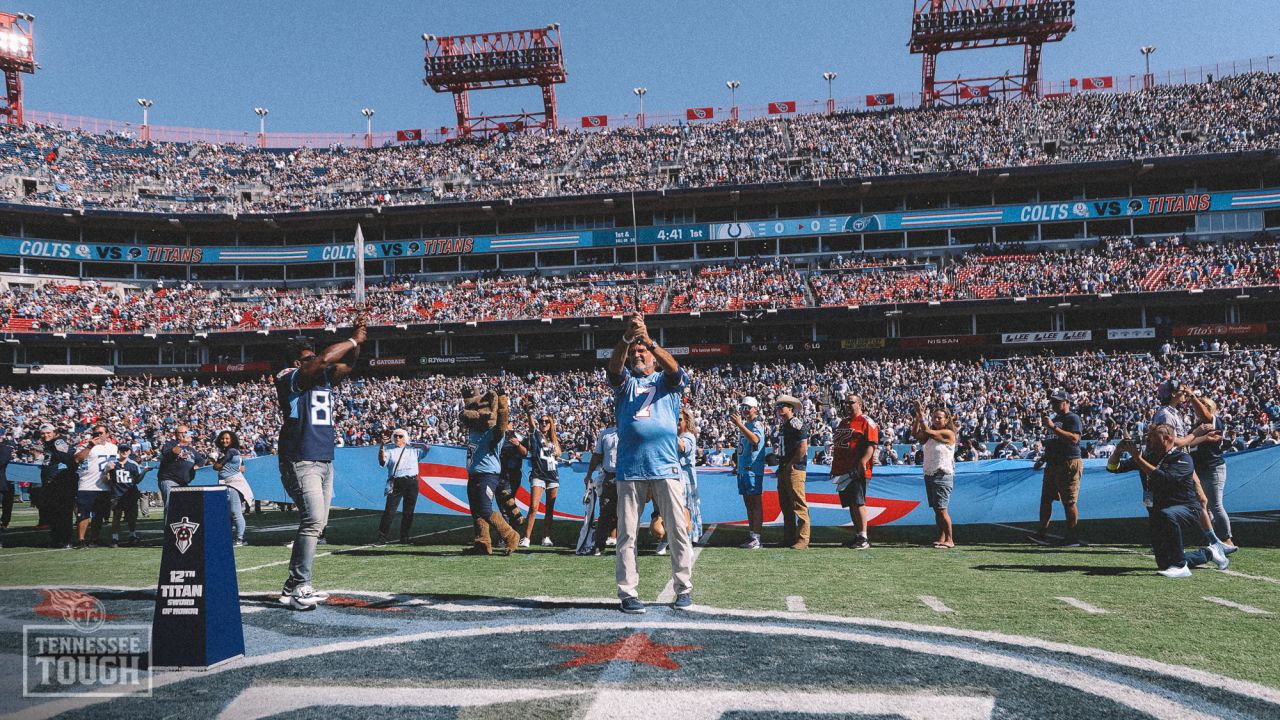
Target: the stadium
(1034, 320)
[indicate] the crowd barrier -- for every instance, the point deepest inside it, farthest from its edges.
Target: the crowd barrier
(989, 491)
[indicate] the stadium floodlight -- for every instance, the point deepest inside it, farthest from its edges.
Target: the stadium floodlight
(145, 134)
(17, 56)
(368, 126)
(1146, 51)
(831, 100)
(640, 93)
(261, 112)
(733, 86)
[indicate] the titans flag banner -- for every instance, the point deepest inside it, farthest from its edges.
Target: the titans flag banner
(703, 113)
(880, 99)
(197, 617)
(969, 92)
(782, 106)
(1105, 82)
(413, 135)
(595, 121)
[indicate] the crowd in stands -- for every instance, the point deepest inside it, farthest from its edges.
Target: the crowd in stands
(997, 403)
(1114, 265)
(117, 171)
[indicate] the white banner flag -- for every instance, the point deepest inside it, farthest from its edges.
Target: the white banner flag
(359, 265)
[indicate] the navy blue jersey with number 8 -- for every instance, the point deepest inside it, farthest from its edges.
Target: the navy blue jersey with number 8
(307, 433)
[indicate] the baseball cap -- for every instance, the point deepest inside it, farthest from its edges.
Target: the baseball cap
(48, 428)
(1060, 396)
(1165, 390)
(749, 401)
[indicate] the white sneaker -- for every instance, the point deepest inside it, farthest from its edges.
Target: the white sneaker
(524, 542)
(1178, 572)
(662, 548)
(304, 598)
(611, 542)
(286, 593)
(1217, 552)
(546, 542)
(753, 543)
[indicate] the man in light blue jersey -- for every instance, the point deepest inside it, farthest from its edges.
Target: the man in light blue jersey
(648, 384)
(305, 393)
(750, 461)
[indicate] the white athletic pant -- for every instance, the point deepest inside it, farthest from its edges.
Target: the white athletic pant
(668, 497)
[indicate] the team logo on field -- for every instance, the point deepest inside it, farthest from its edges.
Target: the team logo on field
(184, 532)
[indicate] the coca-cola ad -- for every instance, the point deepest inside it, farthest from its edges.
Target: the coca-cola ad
(1220, 329)
(247, 367)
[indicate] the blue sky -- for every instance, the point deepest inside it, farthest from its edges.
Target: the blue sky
(315, 64)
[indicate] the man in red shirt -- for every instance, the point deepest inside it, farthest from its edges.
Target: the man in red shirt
(852, 445)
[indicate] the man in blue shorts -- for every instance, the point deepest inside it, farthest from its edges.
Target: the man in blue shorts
(750, 460)
(648, 384)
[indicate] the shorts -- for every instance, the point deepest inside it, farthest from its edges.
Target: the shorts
(546, 483)
(1062, 482)
(855, 493)
(751, 483)
(94, 503)
(937, 487)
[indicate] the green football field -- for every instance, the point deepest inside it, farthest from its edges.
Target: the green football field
(1105, 596)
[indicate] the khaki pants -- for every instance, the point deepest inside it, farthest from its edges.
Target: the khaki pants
(668, 497)
(795, 508)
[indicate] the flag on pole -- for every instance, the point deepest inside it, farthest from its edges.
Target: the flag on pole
(880, 99)
(782, 106)
(359, 265)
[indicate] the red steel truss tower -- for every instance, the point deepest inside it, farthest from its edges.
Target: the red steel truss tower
(461, 63)
(17, 56)
(943, 25)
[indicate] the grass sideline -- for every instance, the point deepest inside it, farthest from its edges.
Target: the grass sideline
(994, 581)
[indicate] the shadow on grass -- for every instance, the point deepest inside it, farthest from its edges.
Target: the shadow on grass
(1080, 569)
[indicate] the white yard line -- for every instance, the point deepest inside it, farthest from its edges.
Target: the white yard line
(935, 604)
(340, 552)
(795, 603)
(1238, 606)
(668, 593)
(1082, 605)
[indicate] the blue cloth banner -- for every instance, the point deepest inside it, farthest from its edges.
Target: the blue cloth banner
(990, 491)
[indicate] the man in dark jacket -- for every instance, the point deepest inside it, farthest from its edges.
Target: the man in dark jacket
(58, 480)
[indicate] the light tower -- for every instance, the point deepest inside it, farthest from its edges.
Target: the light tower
(1146, 50)
(261, 112)
(17, 56)
(144, 134)
(640, 93)
(733, 86)
(831, 99)
(368, 126)
(945, 25)
(459, 64)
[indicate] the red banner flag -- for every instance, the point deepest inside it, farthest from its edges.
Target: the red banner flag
(880, 99)
(783, 106)
(705, 113)
(590, 121)
(409, 135)
(969, 92)
(1097, 83)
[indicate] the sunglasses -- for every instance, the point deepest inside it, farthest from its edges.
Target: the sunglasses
(100, 433)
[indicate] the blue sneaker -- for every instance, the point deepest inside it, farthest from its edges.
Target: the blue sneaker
(683, 600)
(633, 606)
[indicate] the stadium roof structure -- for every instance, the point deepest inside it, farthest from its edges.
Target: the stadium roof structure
(459, 64)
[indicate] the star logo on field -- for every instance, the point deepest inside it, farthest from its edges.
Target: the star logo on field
(635, 648)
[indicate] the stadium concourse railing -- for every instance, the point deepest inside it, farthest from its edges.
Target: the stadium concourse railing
(1122, 82)
(21, 325)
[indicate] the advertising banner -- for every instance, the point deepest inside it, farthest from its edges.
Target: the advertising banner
(943, 341)
(1056, 336)
(1220, 330)
(1131, 333)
